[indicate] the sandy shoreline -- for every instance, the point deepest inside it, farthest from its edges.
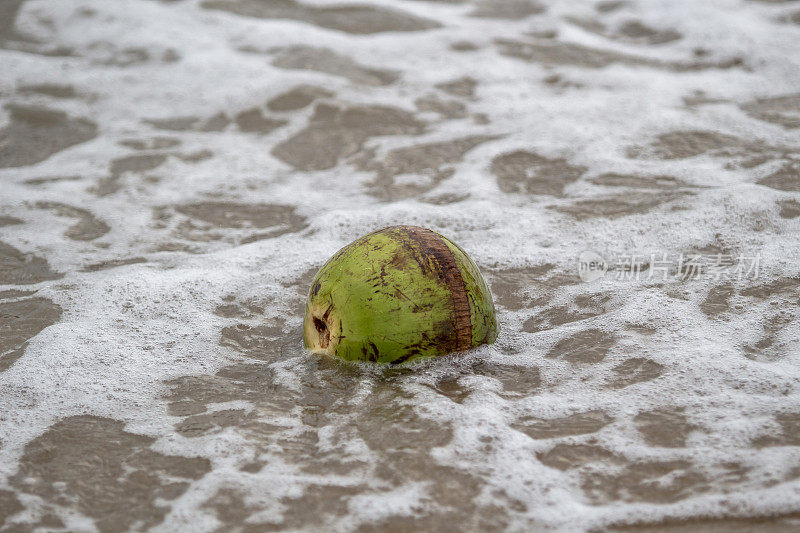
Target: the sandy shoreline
(173, 173)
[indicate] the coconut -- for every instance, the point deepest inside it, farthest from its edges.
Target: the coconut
(398, 294)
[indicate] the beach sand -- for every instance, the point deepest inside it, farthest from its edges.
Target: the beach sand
(173, 174)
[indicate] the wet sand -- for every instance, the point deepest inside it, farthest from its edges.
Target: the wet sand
(174, 173)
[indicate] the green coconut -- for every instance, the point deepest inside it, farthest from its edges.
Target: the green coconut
(398, 294)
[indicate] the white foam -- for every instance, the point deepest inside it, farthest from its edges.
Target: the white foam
(126, 330)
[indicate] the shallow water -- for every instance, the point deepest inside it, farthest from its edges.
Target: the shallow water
(174, 173)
